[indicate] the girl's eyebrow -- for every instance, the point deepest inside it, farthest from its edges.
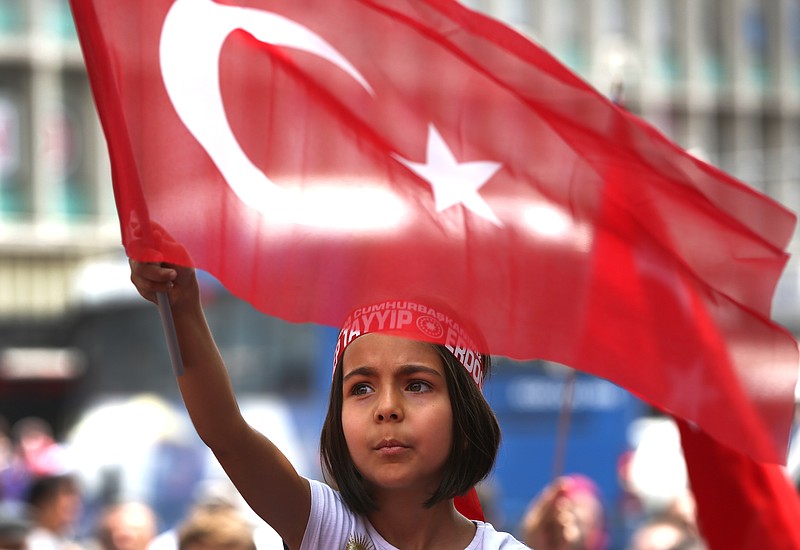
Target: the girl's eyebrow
(405, 370)
(360, 371)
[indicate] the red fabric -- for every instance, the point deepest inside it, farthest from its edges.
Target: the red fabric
(589, 239)
(741, 504)
(469, 505)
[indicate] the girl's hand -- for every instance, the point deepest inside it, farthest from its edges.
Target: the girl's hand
(150, 278)
(180, 283)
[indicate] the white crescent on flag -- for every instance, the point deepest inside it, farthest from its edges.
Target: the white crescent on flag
(192, 37)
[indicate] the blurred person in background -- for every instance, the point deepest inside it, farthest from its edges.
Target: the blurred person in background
(211, 496)
(126, 526)
(14, 527)
(665, 532)
(567, 515)
(683, 510)
(29, 452)
(6, 459)
(56, 506)
(14, 474)
(222, 529)
(219, 496)
(41, 453)
(672, 527)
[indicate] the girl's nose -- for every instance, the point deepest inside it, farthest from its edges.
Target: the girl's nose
(388, 408)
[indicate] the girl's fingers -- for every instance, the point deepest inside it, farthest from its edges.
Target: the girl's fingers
(151, 278)
(153, 272)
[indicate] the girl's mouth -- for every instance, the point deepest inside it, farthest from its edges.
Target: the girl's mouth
(390, 446)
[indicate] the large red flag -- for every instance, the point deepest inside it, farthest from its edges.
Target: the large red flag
(318, 154)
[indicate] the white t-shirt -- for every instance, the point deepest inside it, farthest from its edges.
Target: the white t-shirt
(43, 539)
(332, 525)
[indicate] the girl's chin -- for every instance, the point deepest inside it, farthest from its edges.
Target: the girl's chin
(396, 486)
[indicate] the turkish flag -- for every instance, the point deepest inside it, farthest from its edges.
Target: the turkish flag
(315, 155)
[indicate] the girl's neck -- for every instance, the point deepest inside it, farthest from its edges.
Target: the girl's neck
(406, 524)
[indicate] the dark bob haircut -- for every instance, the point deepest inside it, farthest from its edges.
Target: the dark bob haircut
(476, 438)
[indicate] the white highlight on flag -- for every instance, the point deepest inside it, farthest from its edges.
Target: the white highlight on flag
(454, 182)
(547, 221)
(344, 204)
(192, 37)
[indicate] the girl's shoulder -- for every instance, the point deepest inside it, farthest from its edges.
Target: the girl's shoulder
(331, 524)
(488, 538)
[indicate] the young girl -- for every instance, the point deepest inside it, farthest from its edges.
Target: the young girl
(407, 429)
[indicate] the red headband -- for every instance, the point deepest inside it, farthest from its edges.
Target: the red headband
(418, 322)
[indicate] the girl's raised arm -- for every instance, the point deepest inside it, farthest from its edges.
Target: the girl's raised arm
(259, 470)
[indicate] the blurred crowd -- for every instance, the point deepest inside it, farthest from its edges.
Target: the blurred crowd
(569, 515)
(43, 506)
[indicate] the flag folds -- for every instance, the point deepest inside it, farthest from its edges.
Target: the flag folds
(319, 154)
(741, 503)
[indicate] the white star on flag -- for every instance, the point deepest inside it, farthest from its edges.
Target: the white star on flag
(454, 182)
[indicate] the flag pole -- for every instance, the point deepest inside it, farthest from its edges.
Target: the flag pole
(567, 394)
(169, 333)
(564, 418)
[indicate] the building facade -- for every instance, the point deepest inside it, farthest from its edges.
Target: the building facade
(56, 201)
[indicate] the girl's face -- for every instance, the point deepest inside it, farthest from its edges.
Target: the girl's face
(396, 413)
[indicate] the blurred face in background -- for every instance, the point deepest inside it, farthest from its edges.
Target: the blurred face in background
(657, 537)
(59, 509)
(220, 529)
(129, 526)
(69, 505)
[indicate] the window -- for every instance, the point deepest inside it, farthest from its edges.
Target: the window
(666, 19)
(68, 149)
(613, 15)
(569, 38)
(519, 14)
(793, 33)
(712, 45)
(15, 199)
(59, 23)
(12, 20)
(753, 26)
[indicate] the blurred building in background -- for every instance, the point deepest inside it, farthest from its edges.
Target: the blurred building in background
(56, 202)
(719, 77)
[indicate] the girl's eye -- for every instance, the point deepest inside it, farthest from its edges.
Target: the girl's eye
(360, 389)
(419, 386)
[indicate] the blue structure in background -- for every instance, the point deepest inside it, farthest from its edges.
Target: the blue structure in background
(528, 401)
